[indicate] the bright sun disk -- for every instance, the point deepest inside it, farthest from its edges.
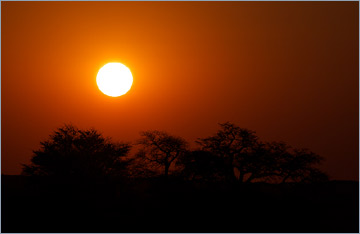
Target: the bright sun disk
(114, 79)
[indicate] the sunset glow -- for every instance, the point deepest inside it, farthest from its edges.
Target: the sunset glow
(180, 116)
(263, 66)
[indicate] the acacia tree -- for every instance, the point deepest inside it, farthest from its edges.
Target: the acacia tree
(70, 151)
(234, 145)
(299, 166)
(200, 165)
(280, 162)
(266, 161)
(241, 149)
(161, 149)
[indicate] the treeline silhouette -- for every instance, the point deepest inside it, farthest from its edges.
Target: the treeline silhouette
(81, 181)
(232, 154)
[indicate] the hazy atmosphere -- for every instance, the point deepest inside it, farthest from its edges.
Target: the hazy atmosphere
(179, 117)
(288, 71)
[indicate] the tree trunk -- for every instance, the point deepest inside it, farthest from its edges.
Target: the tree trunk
(250, 178)
(166, 171)
(241, 176)
(230, 174)
(285, 178)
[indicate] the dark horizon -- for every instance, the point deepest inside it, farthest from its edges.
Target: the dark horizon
(92, 185)
(192, 146)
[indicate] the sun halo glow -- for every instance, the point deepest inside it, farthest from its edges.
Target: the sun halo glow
(114, 79)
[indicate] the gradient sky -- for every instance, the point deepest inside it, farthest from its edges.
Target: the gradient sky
(287, 70)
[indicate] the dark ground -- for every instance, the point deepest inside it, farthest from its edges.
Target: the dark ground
(30, 205)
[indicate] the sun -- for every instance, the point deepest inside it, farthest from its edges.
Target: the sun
(114, 79)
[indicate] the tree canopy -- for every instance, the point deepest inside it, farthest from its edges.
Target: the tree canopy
(161, 149)
(246, 158)
(234, 145)
(231, 154)
(70, 151)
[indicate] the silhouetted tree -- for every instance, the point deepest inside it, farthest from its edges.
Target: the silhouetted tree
(140, 167)
(277, 161)
(256, 163)
(70, 151)
(161, 149)
(235, 146)
(264, 161)
(201, 165)
(247, 159)
(299, 166)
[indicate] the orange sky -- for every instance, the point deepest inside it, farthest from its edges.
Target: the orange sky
(288, 70)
